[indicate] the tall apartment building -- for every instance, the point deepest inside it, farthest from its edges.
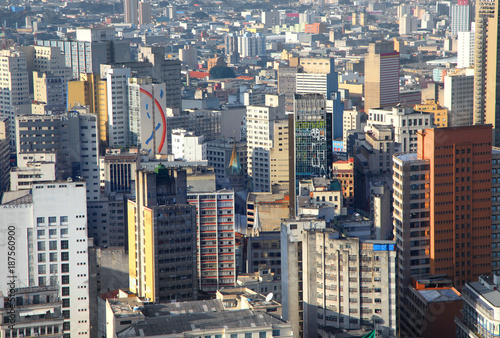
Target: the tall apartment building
(407, 24)
(406, 122)
(189, 56)
(118, 106)
(278, 155)
(14, 88)
(91, 91)
(166, 71)
(329, 281)
(486, 93)
(250, 45)
(381, 75)
(459, 98)
(147, 120)
(461, 18)
(162, 237)
(51, 241)
(85, 55)
(465, 51)
(454, 202)
(130, 8)
(260, 135)
(215, 217)
(286, 84)
(353, 120)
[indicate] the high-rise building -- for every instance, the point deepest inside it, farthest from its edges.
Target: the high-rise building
(250, 45)
(448, 223)
(118, 106)
(51, 241)
(4, 154)
(486, 93)
(13, 88)
(459, 97)
(407, 24)
(216, 254)
(465, 50)
(91, 92)
(147, 120)
(260, 135)
(130, 8)
(461, 17)
(144, 12)
(189, 56)
(278, 155)
(270, 19)
(495, 211)
(381, 75)
(287, 85)
(162, 237)
(50, 93)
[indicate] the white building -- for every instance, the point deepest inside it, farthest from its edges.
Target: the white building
(260, 130)
(459, 97)
(186, 145)
(465, 51)
(352, 120)
(250, 45)
(117, 92)
(22, 178)
(147, 119)
(460, 18)
(14, 88)
(407, 24)
(406, 123)
(50, 226)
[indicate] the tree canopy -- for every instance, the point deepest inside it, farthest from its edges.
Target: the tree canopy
(221, 72)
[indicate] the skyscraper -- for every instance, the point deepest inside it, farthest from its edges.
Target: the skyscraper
(130, 9)
(144, 13)
(486, 92)
(381, 75)
(461, 18)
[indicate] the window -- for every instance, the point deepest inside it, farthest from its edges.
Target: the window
(248, 335)
(262, 334)
(42, 269)
(234, 335)
(65, 279)
(66, 326)
(64, 245)
(41, 246)
(41, 233)
(40, 221)
(53, 245)
(64, 232)
(53, 257)
(126, 322)
(53, 268)
(65, 291)
(276, 333)
(65, 314)
(41, 257)
(64, 267)
(64, 256)
(52, 220)
(64, 219)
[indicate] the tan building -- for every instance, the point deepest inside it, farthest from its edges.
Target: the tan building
(91, 91)
(266, 209)
(343, 171)
(440, 113)
(278, 155)
(216, 61)
(381, 75)
(317, 65)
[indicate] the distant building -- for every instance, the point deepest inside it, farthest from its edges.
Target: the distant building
(440, 118)
(130, 8)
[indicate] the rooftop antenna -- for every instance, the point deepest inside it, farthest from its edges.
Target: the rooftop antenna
(269, 297)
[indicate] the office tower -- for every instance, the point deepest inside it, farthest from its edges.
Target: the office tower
(403, 10)
(449, 225)
(440, 117)
(495, 210)
(189, 56)
(286, 84)
(407, 24)
(166, 71)
(260, 134)
(144, 12)
(461, 17)
(50, 93)
(353, 120)
(91, 92)
(313, 136)
(406, 123)
(251, 45)
(172, 12)
(465, 51)
(381, 75)
(486, 66)
(147, 120)
(118, 109)
(459, 97)
(329, 281)
(93, 47)
(479, 308)
(130, 11)
(162, 237)
(215, 217)
(51, 241)
(13, 89)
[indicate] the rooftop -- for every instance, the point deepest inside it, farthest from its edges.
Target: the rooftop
(440, 295)
(407, 157)
(202, 306)
(17, 197)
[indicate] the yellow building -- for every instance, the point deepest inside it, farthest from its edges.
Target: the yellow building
(440, 113)
(91, 91)
(162, 238)
(278, 154)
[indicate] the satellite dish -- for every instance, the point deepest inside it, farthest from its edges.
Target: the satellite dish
(269, 297)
